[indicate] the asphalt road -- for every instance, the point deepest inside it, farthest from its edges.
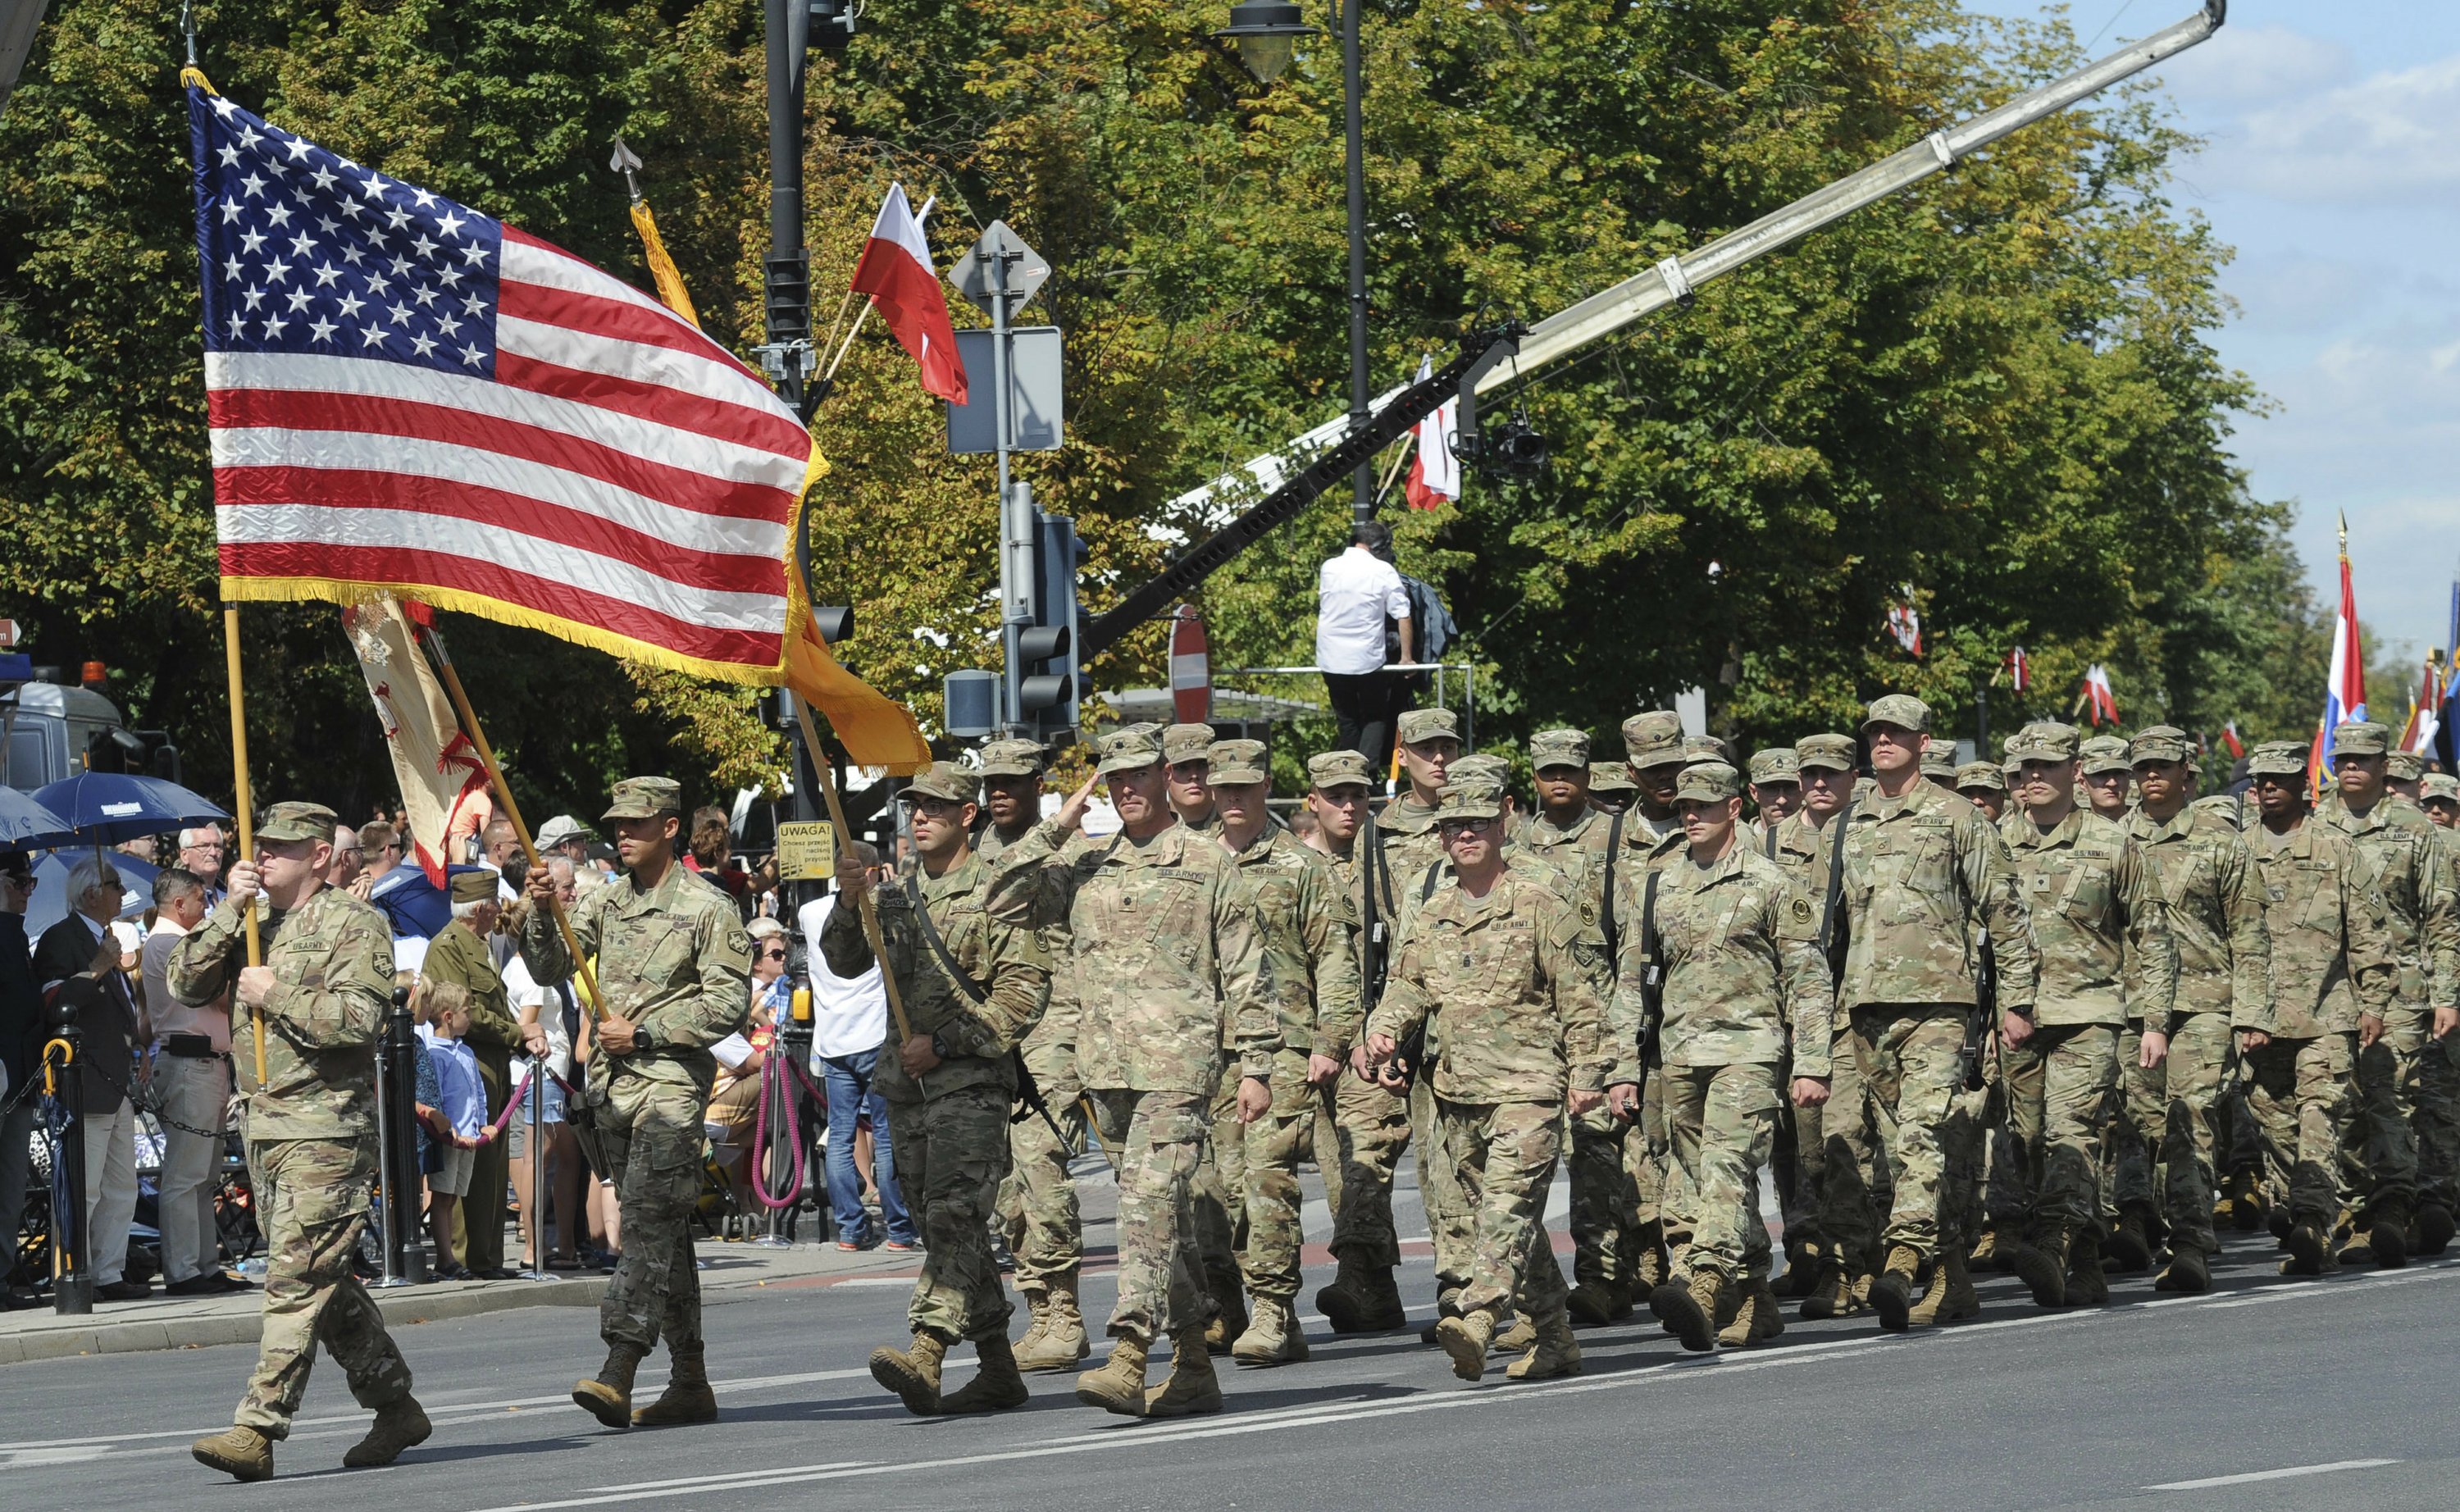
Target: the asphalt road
(2326, 1393)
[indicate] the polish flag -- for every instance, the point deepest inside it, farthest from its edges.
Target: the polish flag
(1435, 472)
(2019, 670)
(897, 273)
(2101, 703)
(2230, 742)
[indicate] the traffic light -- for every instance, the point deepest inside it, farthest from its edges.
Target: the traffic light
(1050, 697)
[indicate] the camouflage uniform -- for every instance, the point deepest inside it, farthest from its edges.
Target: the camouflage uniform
(1922, 870)
(1513, 985)
(2099, 924)
(2332, 960)
(2216, 909)
(1162, 944)
(1313, 969)
(675, 962)
(309, 1125)
(1578, 850)
(950, 1128)
(1038, 1212)
(2406, 866)
(2438, 1104)
(1735, 941)
(1836, 1144)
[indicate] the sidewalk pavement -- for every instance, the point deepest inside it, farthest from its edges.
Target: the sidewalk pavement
(176, 1323)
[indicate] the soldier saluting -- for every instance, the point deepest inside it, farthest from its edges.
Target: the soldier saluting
(310, 1123)
(675, 972)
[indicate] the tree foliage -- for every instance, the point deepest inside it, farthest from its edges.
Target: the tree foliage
(1997, 389)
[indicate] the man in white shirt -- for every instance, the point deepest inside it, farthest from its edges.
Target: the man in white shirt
(192, 1081)
(849, 1027)
(1355, 593)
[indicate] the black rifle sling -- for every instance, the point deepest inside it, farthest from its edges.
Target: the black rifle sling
(1652, 970)
(1835, 889)
(1606, 905)
(974, 991)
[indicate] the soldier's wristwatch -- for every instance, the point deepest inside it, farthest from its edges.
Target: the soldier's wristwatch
(940, 1048)
(643, 1041)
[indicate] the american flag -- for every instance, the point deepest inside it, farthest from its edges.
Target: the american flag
(408, 396)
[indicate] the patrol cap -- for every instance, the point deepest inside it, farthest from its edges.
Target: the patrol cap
(1938, 760)
(1429, 724)
(1707, 782)
(1704, 748)
(1339, 769)
(2104, 754)
(1654, 738)
(945, 779)
(1011, 758)
(1469, 801)
(1828, 751)
(2440, 787)
(2408, 766)
(1129, 748)
(1984, 774)
(297, 821)
(1610, 776)
(2278, 759)
(1480, 767)
(1903, 711)
(561, 828)
(1236, 761)
(2160, 743)
(1559, 747)
(477, 884)
(1776, 765)
(645, 798)
(2360, 737)
(2043, 740)
(1187, 743)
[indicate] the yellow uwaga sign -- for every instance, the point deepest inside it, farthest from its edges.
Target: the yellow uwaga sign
(807, 851)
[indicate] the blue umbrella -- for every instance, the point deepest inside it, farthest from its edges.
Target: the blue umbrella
(49, 904)
(27, 825)
(103, 808)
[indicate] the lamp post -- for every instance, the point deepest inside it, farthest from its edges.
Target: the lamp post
(1267, 33)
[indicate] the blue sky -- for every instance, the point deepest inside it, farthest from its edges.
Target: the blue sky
(2332, 166)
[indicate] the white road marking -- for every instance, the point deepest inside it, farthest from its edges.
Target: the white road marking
(2253, 1475)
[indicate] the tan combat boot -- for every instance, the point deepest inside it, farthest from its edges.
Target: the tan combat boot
(1769, 1321)
(1693, 1310)
(2087, 1286)
(1894, 1288)
(2246, 1201)
(1831, 1294)
(1950, 1295)
(1118, 1385)
(1465, 1338)
(1063, 1342)
(1037, 1308)
(398, 1426)
(2043, 1269)
(1745, 1328)
(1273, 1336)
(912, 1372)
(1228, 1323)
(996, 1386)
(686, 1398)
(607, 1396)
(2187, 1271)
(1517, 1339)
(1650, 1270)
(1595, 1304)
(1552, 1352)
(1192, 1389)
(1993, 1250)
(2128, 1248)
(243, 1453)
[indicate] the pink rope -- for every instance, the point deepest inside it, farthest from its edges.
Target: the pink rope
(493, 1131)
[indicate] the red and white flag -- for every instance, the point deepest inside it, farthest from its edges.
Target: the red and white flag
(2230, 742)
(1435, 472)
(2095, 698)
(2019, 670)
(1904, 622)
(437, 768)
(896, 270)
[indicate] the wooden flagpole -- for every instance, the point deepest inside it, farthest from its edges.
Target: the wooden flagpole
(864, 906)
(513, 811)
(243, 802)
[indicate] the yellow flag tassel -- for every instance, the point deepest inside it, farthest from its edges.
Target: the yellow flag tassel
(662, 267)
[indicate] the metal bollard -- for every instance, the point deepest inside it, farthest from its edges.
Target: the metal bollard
(407, 1264)
(72, 1267)
(538, 1173)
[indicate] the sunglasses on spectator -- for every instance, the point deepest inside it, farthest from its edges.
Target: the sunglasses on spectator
(778, 954)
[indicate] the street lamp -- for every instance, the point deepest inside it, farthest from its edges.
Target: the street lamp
(1266, 32)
